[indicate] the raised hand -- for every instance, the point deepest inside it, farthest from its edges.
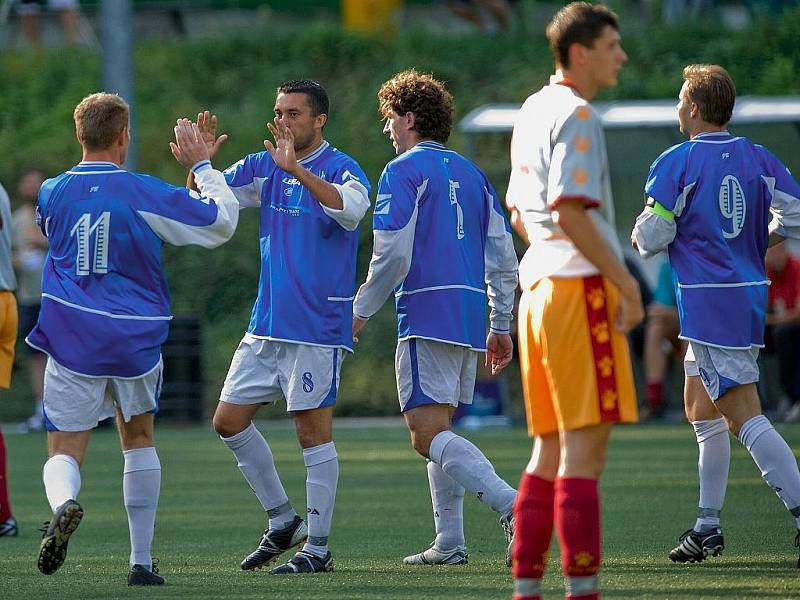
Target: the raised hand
(282, 152)
(207, 124)
(188, 147)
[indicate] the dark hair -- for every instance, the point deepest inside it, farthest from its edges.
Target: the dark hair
(427, 98)
(317, 96)
(99, 119)
(578, 22)
(713, 90)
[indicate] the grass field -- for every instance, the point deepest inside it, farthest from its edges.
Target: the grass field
(209, 519)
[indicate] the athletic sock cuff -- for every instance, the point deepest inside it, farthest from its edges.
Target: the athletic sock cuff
(63, 458)
(705, 430)
(752, 430)
(535, 485)
(141, 459)
(438, 444)
(319, 454)
(575, 484)
(240, 439)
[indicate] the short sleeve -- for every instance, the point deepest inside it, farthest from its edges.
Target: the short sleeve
(665, 182)
(396, 199)
(577, 163)
(240, 177)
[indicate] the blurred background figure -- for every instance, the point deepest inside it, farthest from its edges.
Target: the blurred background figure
(8, 335)
(29, 250)
(661, 343)
(782, 335)
(488, 15)
(29, 11)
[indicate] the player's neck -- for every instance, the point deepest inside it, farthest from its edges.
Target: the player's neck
(109, 155)
(701, 128)
(578, 81)
(311, 148)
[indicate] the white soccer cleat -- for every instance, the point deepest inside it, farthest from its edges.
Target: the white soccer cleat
(434, 556)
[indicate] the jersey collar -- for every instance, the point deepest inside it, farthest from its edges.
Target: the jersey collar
(714, 135)
(97, 165)
(431, 144)
(315, 154)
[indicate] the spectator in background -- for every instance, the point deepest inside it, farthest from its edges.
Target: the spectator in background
(660, 341)
(8, 337)
(29, 250)
(488, 15)
(29, 10)
(782, 335)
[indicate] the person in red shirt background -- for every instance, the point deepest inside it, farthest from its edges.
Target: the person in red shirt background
(783, 322)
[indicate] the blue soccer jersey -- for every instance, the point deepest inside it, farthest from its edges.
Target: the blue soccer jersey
(105, 304)
(717, 198)
(440, 239)
(308, 251)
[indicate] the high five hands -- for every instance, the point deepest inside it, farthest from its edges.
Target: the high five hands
(188, 147)
(207, 124)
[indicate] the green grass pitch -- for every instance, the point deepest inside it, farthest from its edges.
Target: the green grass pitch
(209, 519)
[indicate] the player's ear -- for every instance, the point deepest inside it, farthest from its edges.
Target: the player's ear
(576, 53)
(124, 136)
(321, 120)
(411, 120)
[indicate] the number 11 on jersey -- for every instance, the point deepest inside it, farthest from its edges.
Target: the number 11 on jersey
(82, 231)
(459, 213)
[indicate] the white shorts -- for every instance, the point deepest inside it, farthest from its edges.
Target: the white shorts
(431, 372)
(75, 402)
(262, 371)
(720, 369)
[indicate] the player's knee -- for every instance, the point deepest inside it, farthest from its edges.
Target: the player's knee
(226, 426)
(421, 443)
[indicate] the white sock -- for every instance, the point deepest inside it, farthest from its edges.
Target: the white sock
(62, 479)
(462, 461)
(141, 486)
(322, 467)
(447, 497)
(775, 460)
(255, 461)
(712, 466)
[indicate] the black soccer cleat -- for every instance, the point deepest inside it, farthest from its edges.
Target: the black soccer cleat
(305, 562)
(507, 522)
(696, 546)
(139, 575)
(8, 528)
(275, 542)
(53, 549)
(797, 545)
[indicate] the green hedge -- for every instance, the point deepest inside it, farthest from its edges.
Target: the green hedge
(236, 75)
